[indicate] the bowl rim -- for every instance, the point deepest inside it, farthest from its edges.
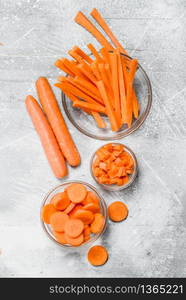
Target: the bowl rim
(103, 204)
(132, 177)
(119, 135)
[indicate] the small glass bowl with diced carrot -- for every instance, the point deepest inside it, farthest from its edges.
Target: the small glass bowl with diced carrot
(73, 214)
(114, 166)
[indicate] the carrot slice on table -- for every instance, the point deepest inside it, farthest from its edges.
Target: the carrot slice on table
(58, 220)
(92, 207)
(97, 255)
(99, 19)
(75, 241)
(46, 212)
(115, 85)
(100, 122)
(83, 54)
(47, 137)
(69, 208)
(110, 111)
(94, 52)
(76, 192)
(82, 20)
(60, 237)
(117, 211)
(74, 227)
(85, 216)
(91, 106)
(53, 113)
(98, 223)
(60, 201)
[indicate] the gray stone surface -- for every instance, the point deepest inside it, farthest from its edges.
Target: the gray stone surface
(151, 242)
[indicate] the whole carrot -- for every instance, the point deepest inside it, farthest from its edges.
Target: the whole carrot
(47, 137)
(57, 122)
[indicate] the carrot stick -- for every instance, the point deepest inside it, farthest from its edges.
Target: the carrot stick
(83, 54)
(88, 85)
(115, 84)
(94, 107)
(135, 104)
(100, 122)
(94, 52)
(99, 19)
(131, 100)
(73, 67)
(123, 100)
(53, 113)
(74, 55)
(95, 70)
(59, 64)
(105, 55)
(110, 111)
(106, 82)
(47, 137)
(75, 91)
(87, 72)
(82, 20)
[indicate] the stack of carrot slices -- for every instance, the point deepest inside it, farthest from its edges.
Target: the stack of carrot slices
(101, 85)
(74, 215)
(112, 165)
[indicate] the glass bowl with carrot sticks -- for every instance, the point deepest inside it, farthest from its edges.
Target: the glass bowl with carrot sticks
(114, 166)
(113, 102)
(73, 214)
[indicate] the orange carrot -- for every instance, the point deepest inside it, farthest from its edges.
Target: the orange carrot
(73, 67)
(100, 122)
(75, 241)
(115, 85)
(47, 137)
(74, 227)
(85, 216)
(86, 70)
(74, 55)
(91, 106)
(117, 211)
(106, 81)
(83, 54)
(46, 212)
(94, 52)
(99, 19)
(57, 122)
(58, 220)
(123, 100)
(110, 111)
(98, 223)
(60, 237)
(77, 207)
(91, 198)
(59, 64)
(95, 70)
(88, 85)
(105, 55)
(60, 201)
(69, 208)
(82, 20)
(97, 255)
(92, 207)
(76, 192)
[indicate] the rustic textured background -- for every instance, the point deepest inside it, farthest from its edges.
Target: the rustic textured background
(151, 242)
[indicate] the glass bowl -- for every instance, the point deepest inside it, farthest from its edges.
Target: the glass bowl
(60, 188)
(114, 187)
(85, 123)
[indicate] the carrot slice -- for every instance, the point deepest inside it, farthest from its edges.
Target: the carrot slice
(92, 207)
(87, 230)
(76, 192)
(98, 223)
(99, 19)
(60, 201)
(83, 54)
(82, 20)
(69, 208)
(77, 207)
(46, 212)
(58, 220)
(53, 113)
(110, 111)
(115, 85)
(74, 227)
(91, 198)
(60, 237)
(85, 216)
(100, 122)
(74, 241)
(47, 138)
(94, 52)
(117, 211)
(91, 106)
(97, 255)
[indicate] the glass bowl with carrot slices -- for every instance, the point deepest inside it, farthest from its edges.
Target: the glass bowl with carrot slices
(114, 166)
(73, 214)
